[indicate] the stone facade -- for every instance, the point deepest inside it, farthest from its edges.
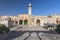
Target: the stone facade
(28, 19)
(35, 20)
(6, 21)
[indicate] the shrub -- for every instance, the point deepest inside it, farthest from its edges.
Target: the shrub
(45, 27)
(3, 29)
(57, 28)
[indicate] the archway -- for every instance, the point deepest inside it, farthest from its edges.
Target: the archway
(57, 21)
(25, 22)
(16, 22)
(21, 22)
(38, 22)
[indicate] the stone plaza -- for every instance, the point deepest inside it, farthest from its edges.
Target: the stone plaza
(28, 33)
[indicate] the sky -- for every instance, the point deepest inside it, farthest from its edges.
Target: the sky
(39, 7)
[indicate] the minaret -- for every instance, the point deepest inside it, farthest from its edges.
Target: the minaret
(29, 9)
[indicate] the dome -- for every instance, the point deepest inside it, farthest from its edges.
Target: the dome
(29, 4)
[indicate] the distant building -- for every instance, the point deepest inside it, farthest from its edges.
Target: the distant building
(29, 19)
(6, 21)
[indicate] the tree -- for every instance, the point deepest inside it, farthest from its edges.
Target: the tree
(3, 28)
(57, 28)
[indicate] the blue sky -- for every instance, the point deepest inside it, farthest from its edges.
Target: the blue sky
(39, 7)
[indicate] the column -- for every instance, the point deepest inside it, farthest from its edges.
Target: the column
(18, 22)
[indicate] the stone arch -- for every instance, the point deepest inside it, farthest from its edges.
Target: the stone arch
(16, 22)
(25, 22)
(57, 21)
(38, 22)
(21, 22)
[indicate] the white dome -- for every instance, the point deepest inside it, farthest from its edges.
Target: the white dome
(29, 4)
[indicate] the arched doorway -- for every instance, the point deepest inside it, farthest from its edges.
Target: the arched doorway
(21, 22)
(57, 21)
(16, 22)
(25, 22)
(38, 22)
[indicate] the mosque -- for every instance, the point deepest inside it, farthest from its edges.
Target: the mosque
(29, 19)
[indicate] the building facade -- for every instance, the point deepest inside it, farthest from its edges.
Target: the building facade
(6, 21)
(29, 19)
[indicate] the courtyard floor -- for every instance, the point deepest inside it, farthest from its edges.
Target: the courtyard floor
(30, 33)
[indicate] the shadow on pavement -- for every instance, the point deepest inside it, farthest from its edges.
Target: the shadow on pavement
(15, 34)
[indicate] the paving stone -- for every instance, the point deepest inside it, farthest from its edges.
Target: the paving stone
(31, 34)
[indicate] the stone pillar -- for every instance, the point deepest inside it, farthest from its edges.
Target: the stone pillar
(18, 22)
(14, 23)
(23, 23)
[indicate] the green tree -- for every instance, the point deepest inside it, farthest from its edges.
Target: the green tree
(57, 28)
(3, 28)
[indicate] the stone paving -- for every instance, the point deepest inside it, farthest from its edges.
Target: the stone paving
(30, 33)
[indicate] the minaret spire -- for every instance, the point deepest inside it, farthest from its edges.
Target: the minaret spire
(29, 9)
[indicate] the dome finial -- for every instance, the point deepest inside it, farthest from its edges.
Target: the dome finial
(29, 4)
